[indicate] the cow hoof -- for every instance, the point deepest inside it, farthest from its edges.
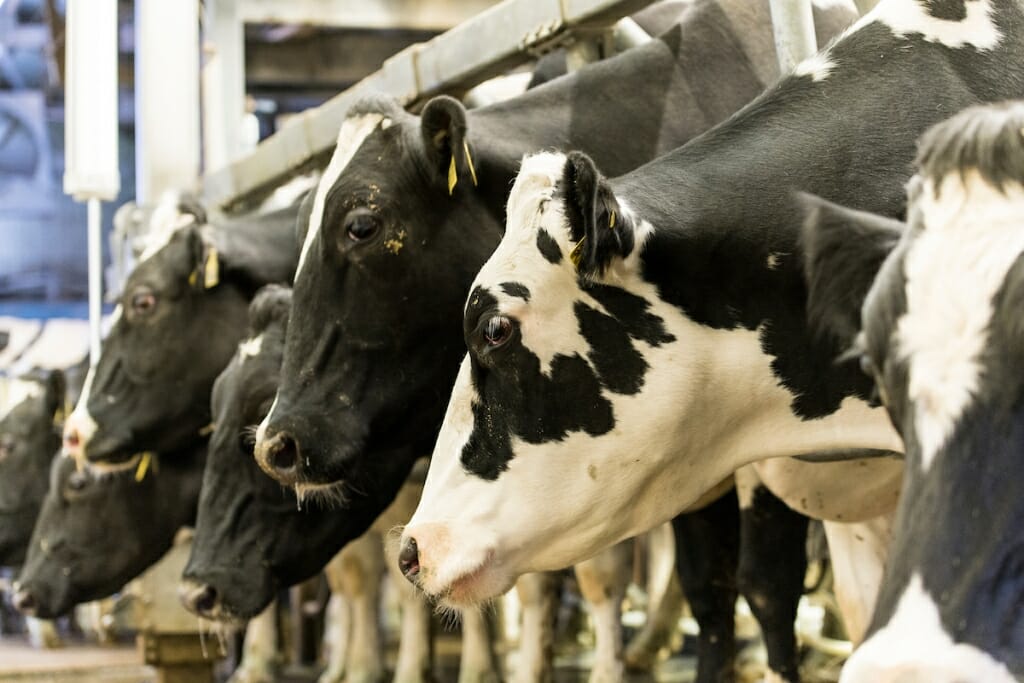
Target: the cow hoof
(43, 635)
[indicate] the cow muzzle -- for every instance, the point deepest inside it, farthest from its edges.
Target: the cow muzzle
(458, 574)
(201, 599)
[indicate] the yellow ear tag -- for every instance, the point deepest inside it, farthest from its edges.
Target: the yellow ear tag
(140, 471)
(611, 221)
(577, 252)
(453, 176)
(208, 429)
(469, 160)
(192, 279)
(211, 271)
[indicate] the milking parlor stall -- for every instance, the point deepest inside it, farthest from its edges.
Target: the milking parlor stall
(359, 341)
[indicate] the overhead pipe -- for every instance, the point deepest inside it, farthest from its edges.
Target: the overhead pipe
(91, 171)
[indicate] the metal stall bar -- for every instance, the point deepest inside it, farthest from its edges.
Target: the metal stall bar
(793, 25)
(482, 47)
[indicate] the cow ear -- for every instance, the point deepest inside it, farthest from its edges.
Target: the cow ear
(597, 225)
(843, 252)
(444, 127)
(204, 259)
(272, 304)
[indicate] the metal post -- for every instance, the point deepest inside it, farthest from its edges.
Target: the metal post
(223, 83)
(95, 279)
(166, 97)
(865, 6)
(793, 26)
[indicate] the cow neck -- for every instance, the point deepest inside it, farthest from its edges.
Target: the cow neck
(973, 486)
(261, 249)
(183, 468)
(625, 110)
(724, 208)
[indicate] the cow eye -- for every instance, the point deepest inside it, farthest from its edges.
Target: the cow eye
(497, 330)
(361, 224)
(143, 301)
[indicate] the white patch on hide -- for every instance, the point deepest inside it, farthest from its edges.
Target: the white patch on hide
(953, 268)
(914, 646)
(818, 67)
(907, 17)
(250, 348)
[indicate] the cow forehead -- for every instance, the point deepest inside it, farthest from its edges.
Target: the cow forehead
(953, 267)
(536, 227)
(351, 137)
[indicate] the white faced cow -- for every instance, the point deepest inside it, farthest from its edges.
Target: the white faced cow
(943, 336)
(634, 341)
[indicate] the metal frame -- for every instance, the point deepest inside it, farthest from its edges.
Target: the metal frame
(484, 46)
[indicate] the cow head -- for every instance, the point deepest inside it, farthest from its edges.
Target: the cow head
(252, 537)
(178, 320)
(97, 531)
(564, 338)
(940, 333)
(29, 437)
(400, 223)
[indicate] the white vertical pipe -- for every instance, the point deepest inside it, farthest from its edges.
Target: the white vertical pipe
(223, 84)
(166, 96)
(90, 131)
(95, 279)
(793, 26)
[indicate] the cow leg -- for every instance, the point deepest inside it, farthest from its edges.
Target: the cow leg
(859, 552)
(259, 652)
(478, 663)
(603, 580)
(537, 637)
(773, 563)
(664, 601)
(707, 555)
(355, 572)
(42, 633)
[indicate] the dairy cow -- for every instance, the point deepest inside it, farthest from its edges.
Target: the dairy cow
(253, 538)
(28, 439)
(97, 531)
(634, 340)
(181, 313)
(941, 337)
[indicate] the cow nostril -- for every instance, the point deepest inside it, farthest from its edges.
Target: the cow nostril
(202, 599)
(24, 601)
(71, 439)
(409, 560)
(285, 454)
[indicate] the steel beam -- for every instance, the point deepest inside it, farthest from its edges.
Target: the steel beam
(486, 45)
(437, 15)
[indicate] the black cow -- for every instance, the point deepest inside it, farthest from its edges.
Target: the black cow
(96, 532)
(252, 537)
(178, 321)
(942, 339)
(29, 436)
(634, 340)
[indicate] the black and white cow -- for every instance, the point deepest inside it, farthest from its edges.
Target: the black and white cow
(181, 314)
(942, 337)
(29, 437)
(633, 341)
(96, 532)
